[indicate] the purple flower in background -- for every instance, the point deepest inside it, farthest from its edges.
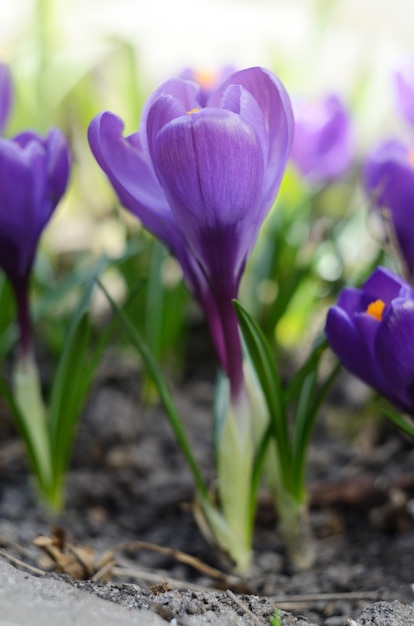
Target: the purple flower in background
(33, 177)
(403, 82)
(201, 176)
(6, 95)
(208, 81)
(371, 331)
(323, 146)
(388, 178)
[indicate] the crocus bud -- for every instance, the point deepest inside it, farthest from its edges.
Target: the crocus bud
(323, 145)
(201, 174)
(371, 329)
(33, 178)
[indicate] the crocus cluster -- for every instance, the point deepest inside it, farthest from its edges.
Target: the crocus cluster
(323, 146)
(371, 331)
(388, 178)
(201, 174)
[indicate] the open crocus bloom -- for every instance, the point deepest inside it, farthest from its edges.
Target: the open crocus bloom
(6, 95)
(403, 80)
(371, 331)
(323, 146)
(388, 178)
(201, 175)
(33, 178)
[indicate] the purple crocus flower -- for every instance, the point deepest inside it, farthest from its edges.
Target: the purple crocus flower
(202, 176)
(6, 95)
(323, 145)
(403, 81)
(33, 177)
(388, 178)
(371, 331)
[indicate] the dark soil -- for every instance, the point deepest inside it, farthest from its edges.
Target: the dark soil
(128, 482)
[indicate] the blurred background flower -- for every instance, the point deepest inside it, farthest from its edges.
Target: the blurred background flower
(323, 146)
(404, 88)
(388, 176)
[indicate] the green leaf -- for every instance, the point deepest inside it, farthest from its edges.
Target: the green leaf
(312, 362)
(310, 401)
(74, 375)
(36, 463)
(263, 363)
(257, 472)
(163, 391)
(401, 422)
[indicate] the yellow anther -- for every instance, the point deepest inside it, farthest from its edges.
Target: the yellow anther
(192, 111)
(376, 309)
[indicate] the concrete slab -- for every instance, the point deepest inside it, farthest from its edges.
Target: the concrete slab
(27, 600)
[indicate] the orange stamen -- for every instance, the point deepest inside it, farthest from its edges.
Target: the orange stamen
(376, 309)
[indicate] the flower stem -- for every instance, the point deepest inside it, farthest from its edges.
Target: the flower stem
(21, 290)
(294, 526)
(27, 392)
(232, 343)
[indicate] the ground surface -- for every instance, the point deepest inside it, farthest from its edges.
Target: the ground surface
(129, 483)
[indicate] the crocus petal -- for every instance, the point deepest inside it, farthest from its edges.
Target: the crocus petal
(22, 187)
(6, 95)
(353, 300)
(274, 102)
(186, 94)
(384, 284)
(394, 352)
(124, 162)
(238, 100)
(351, 345)
(29, 185)
(212, 208)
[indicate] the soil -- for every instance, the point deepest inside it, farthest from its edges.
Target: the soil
(128, 483)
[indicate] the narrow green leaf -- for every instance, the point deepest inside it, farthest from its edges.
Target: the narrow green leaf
(73, 378)
(401, 422)
(293, 389)
(263, 363)
(305, 423)
(163, 391)
(257, 472)
(303, 414)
